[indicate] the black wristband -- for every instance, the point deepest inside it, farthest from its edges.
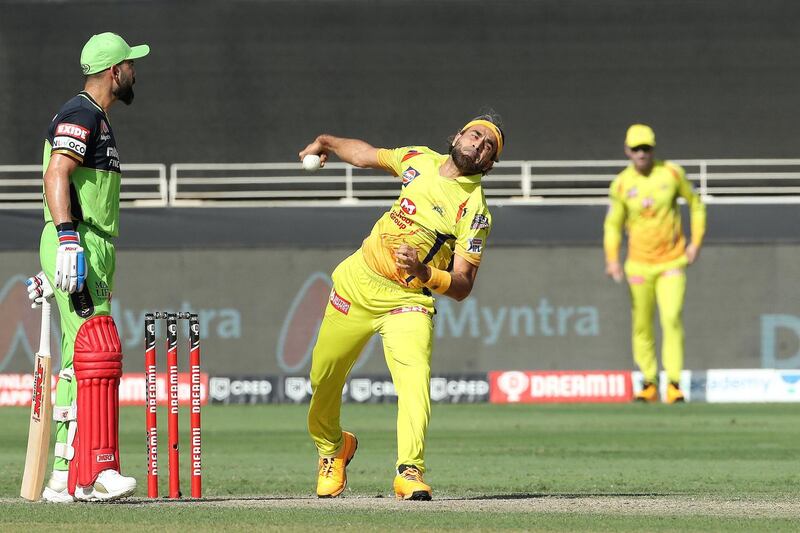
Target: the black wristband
(66, 226)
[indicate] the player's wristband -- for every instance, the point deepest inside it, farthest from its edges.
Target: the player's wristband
(439, 281)
(65, 226)
(67, 234)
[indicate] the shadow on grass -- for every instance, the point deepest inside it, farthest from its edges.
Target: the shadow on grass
(499, 497)
(567, 495)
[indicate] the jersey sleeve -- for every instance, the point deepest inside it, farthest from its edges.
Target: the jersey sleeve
(70, 133)
(472, 232)
(697, 210)
(615, 218)
(394, 159)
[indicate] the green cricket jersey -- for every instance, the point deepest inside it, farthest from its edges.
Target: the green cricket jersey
(81, 130)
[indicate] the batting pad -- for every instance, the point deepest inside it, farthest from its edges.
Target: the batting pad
(98, 367)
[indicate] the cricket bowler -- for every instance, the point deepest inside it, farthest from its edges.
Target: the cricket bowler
(81, 210)
(430, 242)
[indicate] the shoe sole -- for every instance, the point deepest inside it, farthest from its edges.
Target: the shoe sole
(51, 496)
(105, 497)
(345, 479)
(110, 498)
(417, 495)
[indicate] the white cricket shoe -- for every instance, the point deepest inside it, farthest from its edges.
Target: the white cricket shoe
(109, 485)
(56, 489)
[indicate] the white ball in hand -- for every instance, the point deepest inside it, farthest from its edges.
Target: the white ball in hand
(311, 162)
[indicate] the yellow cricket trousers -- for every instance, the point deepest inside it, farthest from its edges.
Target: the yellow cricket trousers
(362, 303)
(665, 284)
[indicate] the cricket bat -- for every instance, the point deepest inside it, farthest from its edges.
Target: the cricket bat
(41, 414)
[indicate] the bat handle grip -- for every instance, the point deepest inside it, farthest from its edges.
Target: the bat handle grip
(44, 336)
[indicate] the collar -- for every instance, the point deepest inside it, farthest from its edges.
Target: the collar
(93, 102)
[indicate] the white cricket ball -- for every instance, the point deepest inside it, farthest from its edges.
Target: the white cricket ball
(311, 162)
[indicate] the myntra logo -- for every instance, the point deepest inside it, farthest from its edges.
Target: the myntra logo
(301, 325)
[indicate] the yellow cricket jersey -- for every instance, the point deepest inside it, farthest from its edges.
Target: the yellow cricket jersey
(436, 215)
(647, 206)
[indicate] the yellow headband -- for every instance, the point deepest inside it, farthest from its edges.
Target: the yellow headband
(497, 133)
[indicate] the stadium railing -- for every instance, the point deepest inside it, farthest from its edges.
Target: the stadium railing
(745, 181)
(143, 185)
(511, 182)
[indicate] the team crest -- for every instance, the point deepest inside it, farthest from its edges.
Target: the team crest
(409, 175)
(479, 222)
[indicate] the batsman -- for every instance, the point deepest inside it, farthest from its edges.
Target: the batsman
(81, 211)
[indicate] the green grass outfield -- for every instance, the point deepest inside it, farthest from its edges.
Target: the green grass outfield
(694, 467)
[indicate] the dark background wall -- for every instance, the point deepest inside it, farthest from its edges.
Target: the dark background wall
(255, 81)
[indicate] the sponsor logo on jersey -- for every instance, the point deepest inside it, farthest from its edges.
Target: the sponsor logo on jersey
(479, 222)
(409, 175)
(633, 192)
(475, 245)
(410, 154)
(72, 130)
(339, 303)
(400, 219)
(409, 309)
(105, 133)
(408, 206)
(113, 157)
(439, 209)
(69, 143)
(101, 290)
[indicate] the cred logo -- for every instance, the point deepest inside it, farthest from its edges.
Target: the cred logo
(408, 206)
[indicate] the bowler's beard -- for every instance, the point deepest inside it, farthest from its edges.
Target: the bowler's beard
(464, 163)
(124, 93)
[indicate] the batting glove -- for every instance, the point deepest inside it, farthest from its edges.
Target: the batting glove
(39, 289)
(70, 261)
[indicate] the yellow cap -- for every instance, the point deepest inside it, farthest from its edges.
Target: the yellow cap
(640, 134)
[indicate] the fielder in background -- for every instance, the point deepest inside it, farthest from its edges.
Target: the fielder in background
(81, 211)
(430, 241)
(644, 199)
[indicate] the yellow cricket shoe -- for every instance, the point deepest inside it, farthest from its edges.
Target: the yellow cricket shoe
(648, 394)
(408, 484)
(332, 478)
(674, 394)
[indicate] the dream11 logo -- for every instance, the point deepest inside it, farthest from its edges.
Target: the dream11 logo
(20, 325)
(301, 325)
